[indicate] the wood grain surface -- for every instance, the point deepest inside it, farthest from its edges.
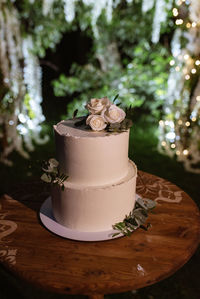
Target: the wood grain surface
(93, 268)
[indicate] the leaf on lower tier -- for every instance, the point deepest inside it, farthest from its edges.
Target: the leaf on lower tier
(46, 178)
(136, 218)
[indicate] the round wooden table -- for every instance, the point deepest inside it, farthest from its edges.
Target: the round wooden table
(95, 268)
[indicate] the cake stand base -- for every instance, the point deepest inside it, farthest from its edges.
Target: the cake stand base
(51, 224)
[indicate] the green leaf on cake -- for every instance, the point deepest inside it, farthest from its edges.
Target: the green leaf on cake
(129, 112)
(53, 163)
(126, 124)
(75, 113)
(52, 173)
(115, 98)
(113, 127)
(115, 234)
(46, 178)
(81, 122)
(120, 127)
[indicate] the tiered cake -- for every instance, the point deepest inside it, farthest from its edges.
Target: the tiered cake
(100, 189)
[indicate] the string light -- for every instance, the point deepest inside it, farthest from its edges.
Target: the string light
(179, 22)
(171, 135)
(179, 92)
(185, 152)
(187, 77)
(11, 122)
(163, 143)
(175, 12)
(161, 123)
(22, 118)
(193, 71)
(198, 98)
(179, 2)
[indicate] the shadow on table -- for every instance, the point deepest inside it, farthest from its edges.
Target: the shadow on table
(31, 194)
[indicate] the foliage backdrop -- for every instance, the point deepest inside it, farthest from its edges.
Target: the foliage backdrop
(145, 50)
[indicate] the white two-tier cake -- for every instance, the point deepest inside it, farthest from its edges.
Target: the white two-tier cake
(101, 183)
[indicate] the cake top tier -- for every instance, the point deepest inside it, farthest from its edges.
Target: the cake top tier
(67, 128)
(91, 157)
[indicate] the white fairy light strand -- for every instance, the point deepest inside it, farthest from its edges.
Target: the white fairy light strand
(185, 132)
(46, 7)
(147, 5)
(160, 16)
(19, 81)
(10, 56)
(69, 10)
(32, 79)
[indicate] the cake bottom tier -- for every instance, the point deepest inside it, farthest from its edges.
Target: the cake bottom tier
(93, 209)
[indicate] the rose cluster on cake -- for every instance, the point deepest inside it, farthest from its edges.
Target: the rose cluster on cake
(105, 115)
(102, 113)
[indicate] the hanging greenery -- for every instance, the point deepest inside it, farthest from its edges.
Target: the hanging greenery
(125, 59)
(131, 54)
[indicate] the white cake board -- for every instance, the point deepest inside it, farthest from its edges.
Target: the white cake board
(51, 224)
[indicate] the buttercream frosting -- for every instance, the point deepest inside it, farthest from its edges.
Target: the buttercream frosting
(100, 189)
(89, 157)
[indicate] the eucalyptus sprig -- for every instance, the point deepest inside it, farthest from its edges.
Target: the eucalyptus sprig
(137, 218)
(52, 174)
(129, 112)
(115, 98)
(120, 127)
(81, 122)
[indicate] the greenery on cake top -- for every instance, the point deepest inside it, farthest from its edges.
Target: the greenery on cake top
(52, 174)
(105, 115)
(137, 218)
